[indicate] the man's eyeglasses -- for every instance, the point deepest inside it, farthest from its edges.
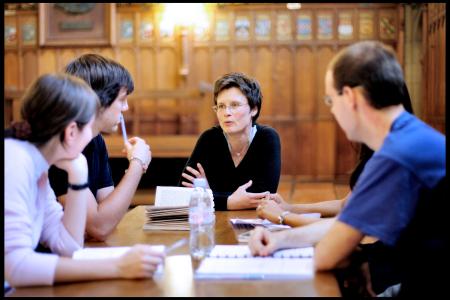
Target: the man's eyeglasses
(233, 106)
(329, 100)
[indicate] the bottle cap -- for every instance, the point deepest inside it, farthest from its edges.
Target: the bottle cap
(201, 182)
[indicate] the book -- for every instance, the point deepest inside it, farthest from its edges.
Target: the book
(171, 209)
(236, 262)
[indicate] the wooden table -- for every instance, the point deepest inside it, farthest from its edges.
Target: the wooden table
(178, 276)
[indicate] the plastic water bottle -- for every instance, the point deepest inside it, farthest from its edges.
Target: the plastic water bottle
(201, 220)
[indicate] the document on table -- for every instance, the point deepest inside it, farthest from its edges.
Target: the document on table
(236, 262)
(106, 252)
(111, 252)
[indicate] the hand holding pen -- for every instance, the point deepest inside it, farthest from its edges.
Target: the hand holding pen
(136, 148)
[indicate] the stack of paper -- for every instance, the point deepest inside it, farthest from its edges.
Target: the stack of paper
(171, 209)
(236, 262)
(167, 218)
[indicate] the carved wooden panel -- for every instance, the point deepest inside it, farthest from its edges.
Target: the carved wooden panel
(286, 51)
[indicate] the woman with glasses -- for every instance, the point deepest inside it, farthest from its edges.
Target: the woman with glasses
(239, 158)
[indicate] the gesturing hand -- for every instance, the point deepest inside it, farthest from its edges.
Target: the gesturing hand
(241, 199)
(196, 174)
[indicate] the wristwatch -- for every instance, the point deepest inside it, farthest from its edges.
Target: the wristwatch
(282, 216)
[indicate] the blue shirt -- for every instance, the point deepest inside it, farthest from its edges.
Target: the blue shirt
(384, 200)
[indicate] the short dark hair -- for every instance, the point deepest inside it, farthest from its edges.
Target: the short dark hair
(373, 66)
(52, 102)
(104, 75)
(248, 86)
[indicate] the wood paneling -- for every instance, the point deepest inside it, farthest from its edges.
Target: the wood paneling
(11, 70)
(434, 29)
(288, 157)
(242, 60)
(29, 60)
(47, 61)
(147, 70)
(284, 74)
(305, 93)
(289, 66)
(325, 147)
(306, 150)
(220, 62)
(263, 73)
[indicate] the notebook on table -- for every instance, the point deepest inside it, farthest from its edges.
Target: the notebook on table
(236, 262)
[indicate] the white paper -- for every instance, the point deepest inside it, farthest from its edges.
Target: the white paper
(236, 262)
(255, 268)
(243, 251)
(106, 252)
(112, 252)
(175, 196)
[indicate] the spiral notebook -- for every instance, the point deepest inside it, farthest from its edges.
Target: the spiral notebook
(236, 262)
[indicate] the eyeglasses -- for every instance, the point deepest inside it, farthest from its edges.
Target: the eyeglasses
(233, 106)
(329, 100)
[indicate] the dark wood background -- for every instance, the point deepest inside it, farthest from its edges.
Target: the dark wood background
(290, 71)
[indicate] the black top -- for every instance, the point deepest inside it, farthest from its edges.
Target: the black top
(98, 166)
(261, 163)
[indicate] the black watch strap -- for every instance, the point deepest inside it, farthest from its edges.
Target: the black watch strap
(77, 187)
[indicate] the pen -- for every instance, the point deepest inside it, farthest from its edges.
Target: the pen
(175, 245)
(124, 131)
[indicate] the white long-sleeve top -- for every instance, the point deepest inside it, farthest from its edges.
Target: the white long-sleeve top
(32, 215)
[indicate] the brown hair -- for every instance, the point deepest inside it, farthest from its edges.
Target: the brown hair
(52, 102)
(248, 86)
(105, 76)
(373, 66)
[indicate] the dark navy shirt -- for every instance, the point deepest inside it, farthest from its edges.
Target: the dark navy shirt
(261, 163)
(98, 165)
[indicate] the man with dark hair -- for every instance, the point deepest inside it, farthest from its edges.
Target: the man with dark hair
(106, 204)
(399, 197)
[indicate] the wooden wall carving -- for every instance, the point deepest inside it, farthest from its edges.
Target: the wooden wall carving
(287, 51)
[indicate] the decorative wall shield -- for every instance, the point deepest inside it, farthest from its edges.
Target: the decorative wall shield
(76, 24)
